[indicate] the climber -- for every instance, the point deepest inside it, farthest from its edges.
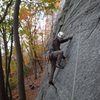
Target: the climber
(56, 54)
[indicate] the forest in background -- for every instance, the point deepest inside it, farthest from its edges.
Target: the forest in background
(25, 27)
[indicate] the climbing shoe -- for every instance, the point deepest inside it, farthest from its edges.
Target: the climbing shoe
(59, 66)
(51, 83)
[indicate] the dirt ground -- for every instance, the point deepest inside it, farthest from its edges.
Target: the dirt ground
(31, 90)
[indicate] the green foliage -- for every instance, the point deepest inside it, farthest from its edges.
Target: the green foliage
(13, 77)
(13, 82)
(26, 71)
(48, 1)
(51, 4)
(13, 66)
(24, 31)
(35, 37)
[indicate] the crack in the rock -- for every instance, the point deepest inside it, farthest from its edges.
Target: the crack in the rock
(62, 18)
(93, 7)
(55, 88)
(56, 91)
(90, 82)
(42, 95)
(74, 10)
(68, 48)
(79, 15)
(70, 16)
(45, 92)
(93, 29)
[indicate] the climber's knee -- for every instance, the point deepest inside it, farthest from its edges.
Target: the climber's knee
(61, 52)
(56, 53)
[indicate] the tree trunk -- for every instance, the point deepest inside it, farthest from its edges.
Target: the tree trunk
(36, 57)
(9, 62)
(6, 60)
(5, 12)
(35, 66)
(2, 87)
(19, 57)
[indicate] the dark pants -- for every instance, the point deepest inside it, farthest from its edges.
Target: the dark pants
(55, 58)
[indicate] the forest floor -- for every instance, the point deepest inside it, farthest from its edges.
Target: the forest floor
(31, 93)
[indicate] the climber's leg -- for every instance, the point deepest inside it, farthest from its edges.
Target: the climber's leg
(53, 67)
(59, 58)
(59, 55)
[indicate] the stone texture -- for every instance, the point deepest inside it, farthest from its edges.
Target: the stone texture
(80, 79)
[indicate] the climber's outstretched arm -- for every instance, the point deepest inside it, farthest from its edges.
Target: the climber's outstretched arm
(67, 39)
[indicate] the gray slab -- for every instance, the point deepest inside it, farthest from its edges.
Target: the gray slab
(80, 79)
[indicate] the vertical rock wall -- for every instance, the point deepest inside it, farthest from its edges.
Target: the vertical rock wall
(80, 79)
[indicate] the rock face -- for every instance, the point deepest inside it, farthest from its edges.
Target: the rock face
(80, 79)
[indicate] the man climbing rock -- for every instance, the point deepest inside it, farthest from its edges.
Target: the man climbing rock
(56, 54)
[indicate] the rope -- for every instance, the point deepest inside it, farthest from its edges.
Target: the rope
(77, 57)
(78, 46)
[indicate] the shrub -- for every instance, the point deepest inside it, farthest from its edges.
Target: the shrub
(13, 82)
(26, 71)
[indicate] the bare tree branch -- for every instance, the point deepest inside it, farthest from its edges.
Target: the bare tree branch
(5, 12)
